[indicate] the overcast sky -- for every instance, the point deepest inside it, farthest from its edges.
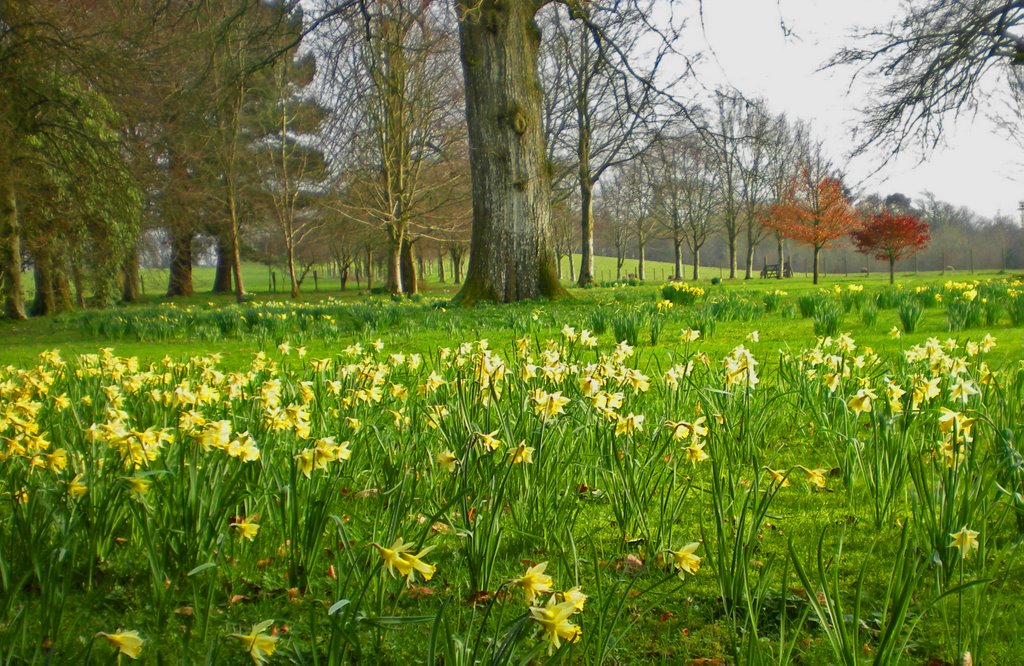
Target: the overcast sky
(751, 52)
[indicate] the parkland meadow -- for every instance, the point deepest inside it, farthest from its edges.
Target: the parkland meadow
(761, 472)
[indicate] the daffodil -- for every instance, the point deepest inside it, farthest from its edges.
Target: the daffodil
(777, 477)
(534, 582)
(521, 454)
(128, 643)
(965, 541)
(554, 620)
(246, 528)
(629, 424)
(685, 561)
(394, 557)
(815, 476)
(258, 644)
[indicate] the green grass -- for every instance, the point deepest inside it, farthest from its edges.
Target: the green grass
(602, 509)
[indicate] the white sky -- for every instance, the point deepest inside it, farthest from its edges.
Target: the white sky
(752, 53)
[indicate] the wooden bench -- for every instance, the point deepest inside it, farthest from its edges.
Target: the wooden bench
(772, 270)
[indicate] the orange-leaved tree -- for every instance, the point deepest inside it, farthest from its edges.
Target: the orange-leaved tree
(813, 211)
(890, 236)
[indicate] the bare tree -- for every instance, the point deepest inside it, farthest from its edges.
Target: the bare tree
(394, 62)
(686, 194)
(930, 63)
(617, 110)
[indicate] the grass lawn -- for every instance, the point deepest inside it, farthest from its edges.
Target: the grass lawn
(448, 482)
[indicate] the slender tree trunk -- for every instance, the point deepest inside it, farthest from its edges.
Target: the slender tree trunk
(456, 264)
(511, 254)
(292, 278)
(410, 282)
(587, 232)
(748, 262)
(677, 246)
(179, 282)
(814, 262)
(620, 259)
(892, 270)
(696, 264)
(130, 271)
(733, 251)
(440, 266)
(782, 256)
(222, 275)
(369, 269)
(558, 264)
(641, 268)
(572, 268)
(236, 254)
(10, 240)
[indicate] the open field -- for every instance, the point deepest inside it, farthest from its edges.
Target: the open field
(363, 479)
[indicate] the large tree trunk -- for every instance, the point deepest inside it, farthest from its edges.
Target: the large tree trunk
(44, 302)
(10, 241)
(130, 274)
(222, 276)
(395, 249)
(179, 282)
(510, 257)
(410, 283)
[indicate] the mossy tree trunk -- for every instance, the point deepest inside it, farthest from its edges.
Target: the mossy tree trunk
(222, 275)
(511, 255)
(10, 241)
(179, 282)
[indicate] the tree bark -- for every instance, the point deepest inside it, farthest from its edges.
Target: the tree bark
(511, 254)
(179, 282)
(10, 240)
(440, 266)
(222, 276)
(236, 253)
(410, 282)
(395, 248)
(892, 269)
(587, 232)
(733, 251)
(641, 268)
(696, 264)
(748, 261)
(369, 269)
(782, 256)
(814, 262)
(677, 246)
(130, 273)
(44, 302)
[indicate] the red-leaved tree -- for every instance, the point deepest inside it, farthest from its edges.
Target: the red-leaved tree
(813, 211)
(892, 236)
